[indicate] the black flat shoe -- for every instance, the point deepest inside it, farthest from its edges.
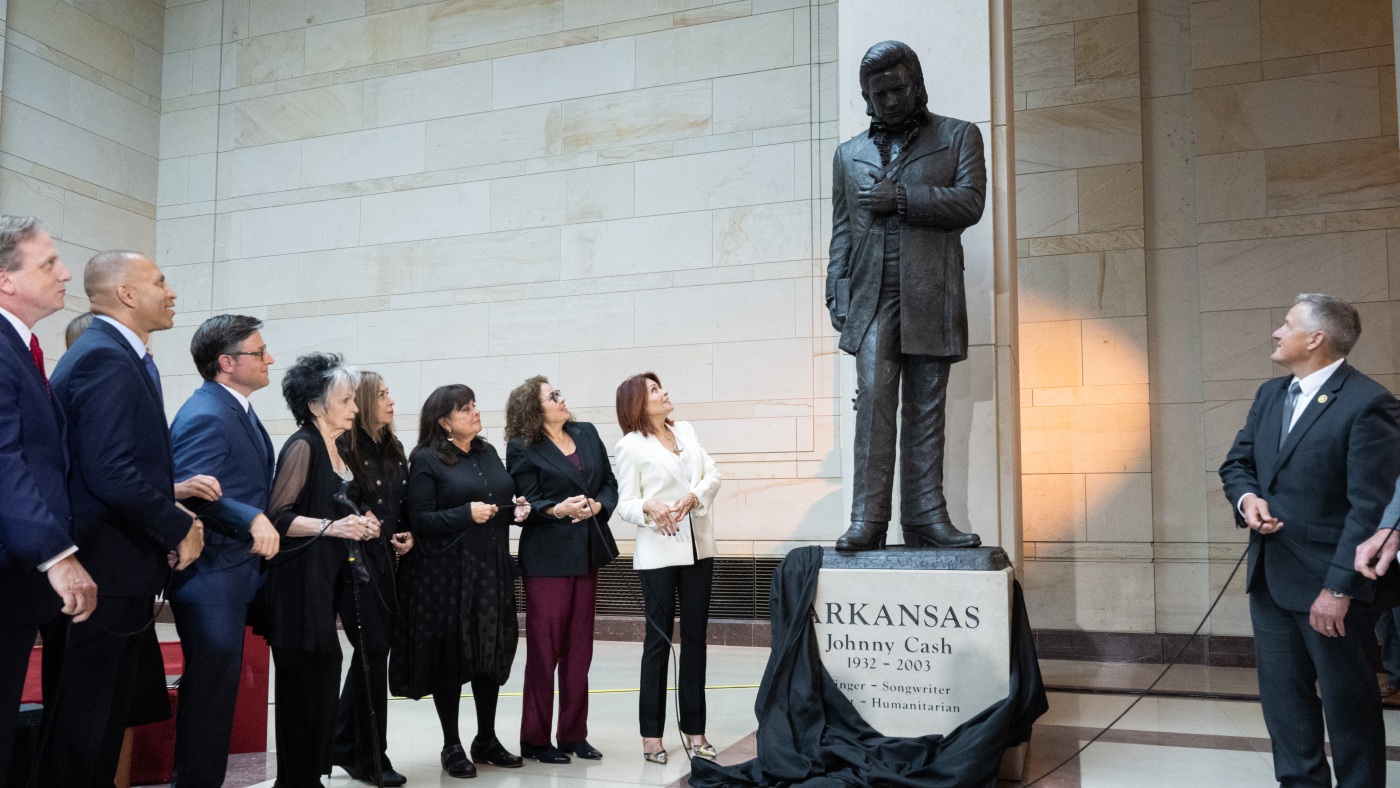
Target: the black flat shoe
(546, 753)
(582, 749)
(455, 763)
(494, 753)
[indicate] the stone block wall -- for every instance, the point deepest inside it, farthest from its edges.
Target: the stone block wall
(480, 191)
(79, 128)
(1183, 169)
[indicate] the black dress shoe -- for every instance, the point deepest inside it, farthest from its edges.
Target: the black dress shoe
(494, 753)
(455, 763)
(863, 536)
(939, 534)
(582, 749)
(387, 778)
(544, 753)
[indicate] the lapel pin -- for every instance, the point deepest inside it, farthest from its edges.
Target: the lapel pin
(1321, 398)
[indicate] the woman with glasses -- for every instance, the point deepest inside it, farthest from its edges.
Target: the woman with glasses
(666, 486)
(560, 466)
(456, 620)
(376, 457)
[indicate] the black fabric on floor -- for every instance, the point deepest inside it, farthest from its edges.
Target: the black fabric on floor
(810, 735)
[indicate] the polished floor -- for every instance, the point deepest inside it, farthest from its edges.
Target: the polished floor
(1206, 730)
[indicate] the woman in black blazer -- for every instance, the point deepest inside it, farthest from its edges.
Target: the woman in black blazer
(561, 467)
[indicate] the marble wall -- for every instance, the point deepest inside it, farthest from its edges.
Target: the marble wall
(1183, 169)
(79, 128)
(479, 191)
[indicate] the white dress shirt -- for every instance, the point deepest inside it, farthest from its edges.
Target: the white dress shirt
(242, 400)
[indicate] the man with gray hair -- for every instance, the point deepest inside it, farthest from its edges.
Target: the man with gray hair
(39, 571)
(1310, 475)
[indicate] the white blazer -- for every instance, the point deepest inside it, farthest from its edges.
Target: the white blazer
(647, 470)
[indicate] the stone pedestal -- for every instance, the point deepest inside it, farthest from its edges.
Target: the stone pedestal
(919, 639)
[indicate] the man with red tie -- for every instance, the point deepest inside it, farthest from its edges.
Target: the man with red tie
(40, 575)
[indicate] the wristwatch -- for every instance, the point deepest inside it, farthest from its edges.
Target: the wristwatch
(1337, 594)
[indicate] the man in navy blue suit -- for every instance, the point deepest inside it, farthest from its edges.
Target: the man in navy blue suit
(1309, 475)
(217, 433)
(125, 518)
(40, 574)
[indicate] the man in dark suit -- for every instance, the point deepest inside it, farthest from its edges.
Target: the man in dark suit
(40, 575)
(902, 193)
(1310, 475)
(218, 434)
(125, 517)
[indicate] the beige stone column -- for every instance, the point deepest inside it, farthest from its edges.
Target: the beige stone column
(964, 47)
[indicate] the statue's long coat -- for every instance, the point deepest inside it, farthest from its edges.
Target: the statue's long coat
(945, 181)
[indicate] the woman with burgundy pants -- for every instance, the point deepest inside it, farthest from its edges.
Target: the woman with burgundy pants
(562, 469)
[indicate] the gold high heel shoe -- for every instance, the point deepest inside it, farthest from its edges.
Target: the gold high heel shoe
(656, 756)
(702, 748)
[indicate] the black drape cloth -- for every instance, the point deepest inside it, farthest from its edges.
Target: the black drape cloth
(802, 742)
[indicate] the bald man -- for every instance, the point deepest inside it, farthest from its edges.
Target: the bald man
(125, 516)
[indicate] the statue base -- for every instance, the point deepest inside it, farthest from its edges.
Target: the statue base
(918, 639)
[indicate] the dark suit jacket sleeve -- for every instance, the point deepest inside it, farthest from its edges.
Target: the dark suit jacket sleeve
(527, 481)
(840, 265)
(1238, 472)
(105, 445)
(952, 207)
(30, 534)
(201, 448)
(1372, 467)
(422, 502)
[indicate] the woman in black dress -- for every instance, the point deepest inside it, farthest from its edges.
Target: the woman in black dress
(456, 620)
(381, 474)
(296, 606)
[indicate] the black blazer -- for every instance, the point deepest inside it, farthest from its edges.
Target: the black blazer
(34, 521)
(123, 487)
(557, 546)
(1329, 483)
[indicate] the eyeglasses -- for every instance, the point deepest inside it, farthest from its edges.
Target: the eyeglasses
(261, 353)
(555, 396)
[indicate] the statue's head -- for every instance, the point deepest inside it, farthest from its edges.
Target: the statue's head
(892, 83)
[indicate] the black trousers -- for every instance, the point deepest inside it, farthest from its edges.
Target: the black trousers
(305, 694)
(1293, 661)
(882, 371)
(102, 667)
(361, 717)
(659, 591)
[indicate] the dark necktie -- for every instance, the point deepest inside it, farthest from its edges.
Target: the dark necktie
(39, 360)
(1289, 403)
(150, 362)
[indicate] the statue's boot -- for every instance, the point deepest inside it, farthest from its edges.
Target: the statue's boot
(863, 536)
(939, 534)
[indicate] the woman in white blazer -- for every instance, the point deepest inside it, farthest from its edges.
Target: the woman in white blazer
(666, 484)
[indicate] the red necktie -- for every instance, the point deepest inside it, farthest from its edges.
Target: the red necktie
(38, 355)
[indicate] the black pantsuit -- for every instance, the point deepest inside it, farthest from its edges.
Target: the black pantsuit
(659, 591)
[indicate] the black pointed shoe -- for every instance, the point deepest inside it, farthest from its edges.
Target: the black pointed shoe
(939, 534)
(863, 536)
(494, 753)
(544, 753)
(581, 749)
(455, 763)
